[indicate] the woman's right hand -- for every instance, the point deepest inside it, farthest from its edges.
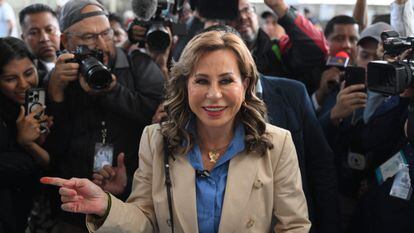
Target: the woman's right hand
(80, 195)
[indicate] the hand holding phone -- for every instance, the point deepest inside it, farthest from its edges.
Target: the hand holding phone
(35, 99)
(354, 75)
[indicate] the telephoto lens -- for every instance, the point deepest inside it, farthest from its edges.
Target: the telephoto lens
(91, 66)
(95, 73)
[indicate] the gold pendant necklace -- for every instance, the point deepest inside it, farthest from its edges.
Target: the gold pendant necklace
(213, 155)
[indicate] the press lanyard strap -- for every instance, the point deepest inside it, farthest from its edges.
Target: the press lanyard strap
(104, 132)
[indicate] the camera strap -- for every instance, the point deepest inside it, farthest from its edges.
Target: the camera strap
(168, 183)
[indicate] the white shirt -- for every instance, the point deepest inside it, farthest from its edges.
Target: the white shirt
(6, 14)
(49, 65)
(402, 18)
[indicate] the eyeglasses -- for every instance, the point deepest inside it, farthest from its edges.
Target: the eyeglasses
(247, 10)
(91, 38)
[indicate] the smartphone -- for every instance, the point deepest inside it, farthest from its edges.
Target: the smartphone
(35, 98)
(354, 75)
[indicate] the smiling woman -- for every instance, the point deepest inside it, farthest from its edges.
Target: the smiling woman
(20, 135)
(16, 78)
(222, 165)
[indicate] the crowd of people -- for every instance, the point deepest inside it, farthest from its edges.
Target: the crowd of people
(234, 126)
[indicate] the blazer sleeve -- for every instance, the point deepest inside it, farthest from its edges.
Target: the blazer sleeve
(290, 206)
(137, 214)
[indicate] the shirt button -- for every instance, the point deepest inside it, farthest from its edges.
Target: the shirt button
(258, 184)
(250, 223)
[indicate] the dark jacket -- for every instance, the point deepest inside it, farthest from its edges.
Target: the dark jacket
(126, 110)
(298, 55)
(42, 73)
(290, 107)
(377, 140)
(18, 173)
(378, 212)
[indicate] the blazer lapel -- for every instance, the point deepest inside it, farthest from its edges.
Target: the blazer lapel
(240, 179)
(184, 194)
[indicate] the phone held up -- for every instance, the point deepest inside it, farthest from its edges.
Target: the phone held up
(35, 98)
(354, 75)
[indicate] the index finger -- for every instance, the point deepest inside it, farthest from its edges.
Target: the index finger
(63, 57)
(53, 181)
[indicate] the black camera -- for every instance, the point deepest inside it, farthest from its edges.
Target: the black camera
(157, 36)
(392, 78)
(395, 45)
(166, 15)
(91, 66)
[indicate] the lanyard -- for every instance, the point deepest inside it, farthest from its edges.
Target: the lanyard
(104, 132)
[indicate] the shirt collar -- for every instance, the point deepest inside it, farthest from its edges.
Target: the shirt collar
(236, 145)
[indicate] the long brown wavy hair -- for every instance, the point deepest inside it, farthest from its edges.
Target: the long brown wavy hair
(252, 112)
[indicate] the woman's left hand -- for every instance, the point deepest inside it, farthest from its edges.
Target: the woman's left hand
(28, 128)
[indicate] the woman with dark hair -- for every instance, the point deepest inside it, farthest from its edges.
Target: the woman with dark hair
(21, 156)
(222, 169)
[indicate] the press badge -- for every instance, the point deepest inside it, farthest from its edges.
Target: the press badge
(356, 161)
(390, 167)
(401, 187)
(104, 152)
(103, 156)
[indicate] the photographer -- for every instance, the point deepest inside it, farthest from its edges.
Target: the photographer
(342, 35)
(98, 115)
(379, 201)
(341, 104)
(366, 137)
(158, 47)
(21, 154)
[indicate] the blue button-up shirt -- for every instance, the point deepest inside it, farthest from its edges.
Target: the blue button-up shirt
(210, 190)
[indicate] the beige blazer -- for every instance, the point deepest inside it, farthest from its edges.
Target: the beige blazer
(257, 188)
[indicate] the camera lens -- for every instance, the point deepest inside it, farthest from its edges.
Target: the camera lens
(99, 78)
(95, 73)
(158, 38)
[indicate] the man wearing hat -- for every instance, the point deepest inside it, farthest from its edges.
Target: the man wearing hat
(342, 104)
(98, 126)
(368, 43)
(363, 132)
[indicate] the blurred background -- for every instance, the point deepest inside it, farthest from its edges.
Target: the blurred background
(321, 9)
